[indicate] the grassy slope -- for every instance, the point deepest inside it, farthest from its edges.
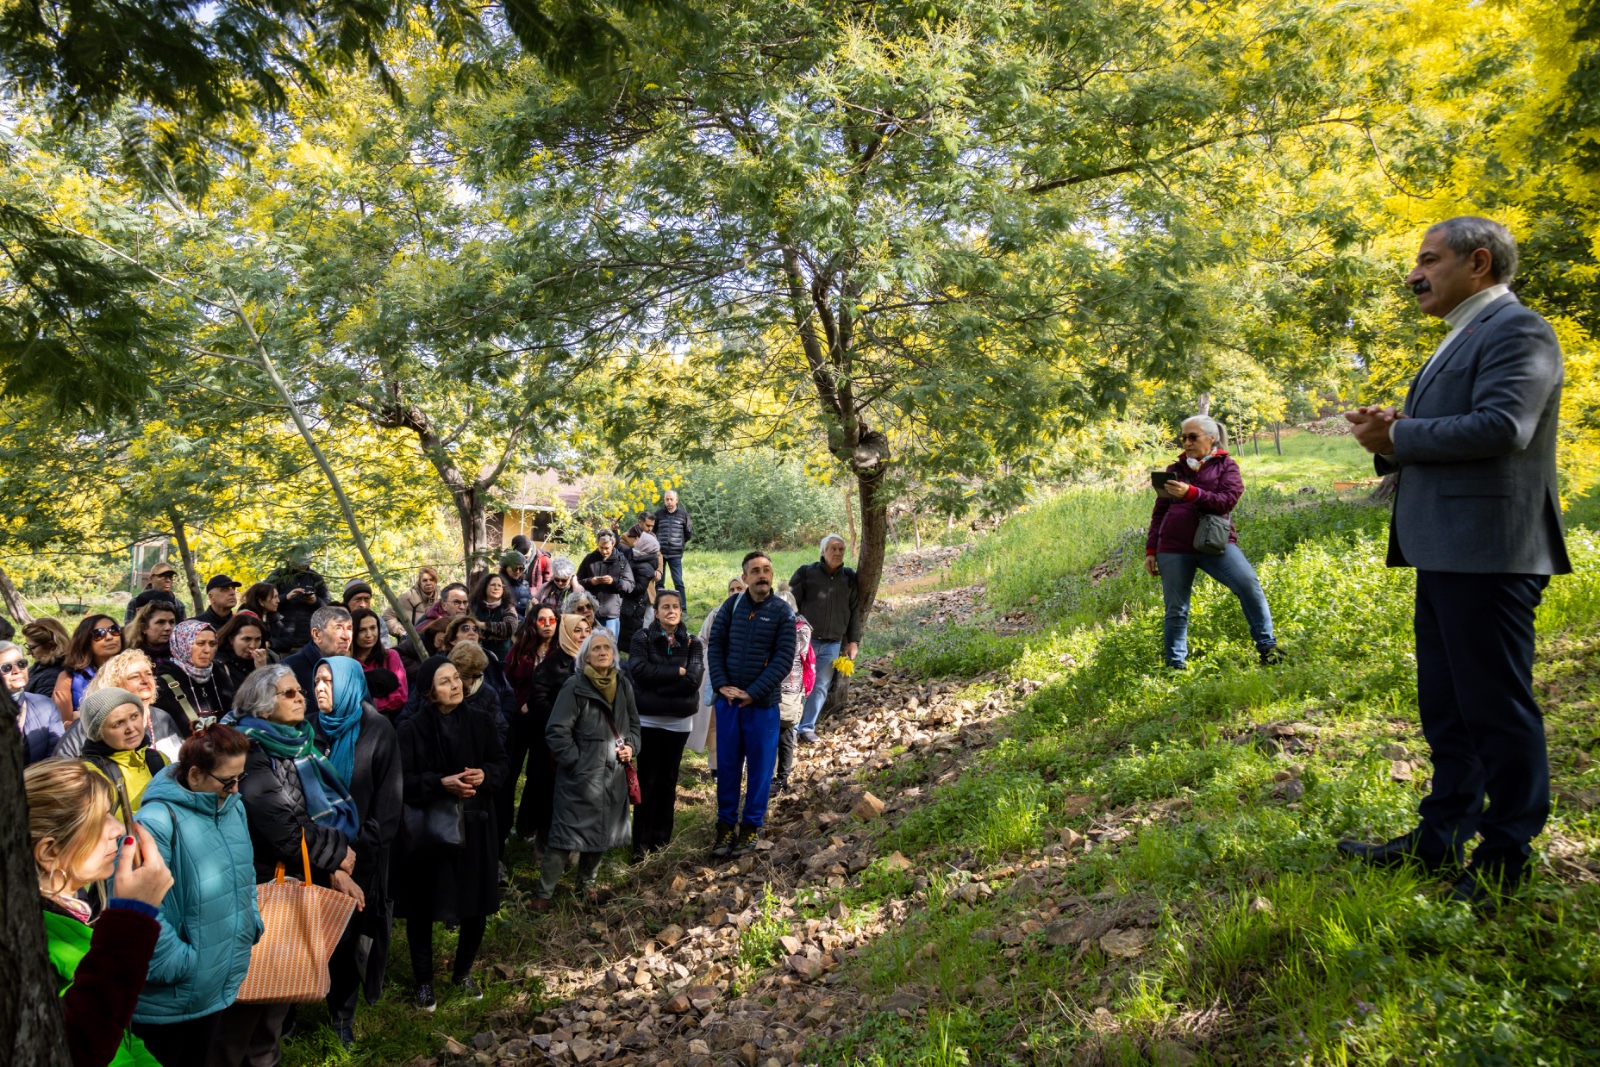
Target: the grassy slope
(1267, 948)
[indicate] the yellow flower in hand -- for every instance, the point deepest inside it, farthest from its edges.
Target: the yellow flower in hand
(845, 666)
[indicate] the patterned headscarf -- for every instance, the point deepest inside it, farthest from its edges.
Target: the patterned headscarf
(183, 636)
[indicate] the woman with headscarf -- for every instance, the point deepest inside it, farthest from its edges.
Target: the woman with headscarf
(186, 684)
(644, 556)
(593, 735)
(117, 745)
(533, 814)
(130, 670)
(291, 793)
(364, 750)
(449, 751)
(97, 639)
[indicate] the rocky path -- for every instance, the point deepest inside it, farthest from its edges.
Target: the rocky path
(694, 964)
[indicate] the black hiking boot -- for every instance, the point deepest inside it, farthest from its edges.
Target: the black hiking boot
(722, 848)
(745, 840)
(1271, 656)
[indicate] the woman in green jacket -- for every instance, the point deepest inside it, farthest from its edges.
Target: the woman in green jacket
(100, 962)
(209, 920)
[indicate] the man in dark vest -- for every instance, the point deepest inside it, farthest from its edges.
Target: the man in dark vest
(1477, 514)
(674, 530)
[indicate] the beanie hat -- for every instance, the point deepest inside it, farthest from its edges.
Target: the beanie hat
(98, 706)
(354, 587)
(513, 558)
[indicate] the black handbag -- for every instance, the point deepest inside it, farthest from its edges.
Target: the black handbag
(441, 824)
(1211, 536)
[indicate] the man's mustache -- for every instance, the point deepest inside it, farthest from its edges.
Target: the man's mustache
(1421, 286)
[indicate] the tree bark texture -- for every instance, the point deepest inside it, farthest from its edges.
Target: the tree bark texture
(196, 591)
(15, 607)
(31, 1028)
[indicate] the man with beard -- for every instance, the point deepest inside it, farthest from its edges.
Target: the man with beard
(751, 652)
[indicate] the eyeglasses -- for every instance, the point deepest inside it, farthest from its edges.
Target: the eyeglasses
(13, 668)
(468, 679)
(228, 784)
(1193, 436)
(292, 691)
(105, 631)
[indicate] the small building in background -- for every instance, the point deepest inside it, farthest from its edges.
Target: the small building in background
(537, 506)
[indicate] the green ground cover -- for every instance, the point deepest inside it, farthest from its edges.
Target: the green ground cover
(1266, 947)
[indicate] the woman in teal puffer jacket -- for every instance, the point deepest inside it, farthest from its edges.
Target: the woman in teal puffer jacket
(209, 919)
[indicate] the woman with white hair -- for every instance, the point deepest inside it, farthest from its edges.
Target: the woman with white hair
(1204, 482)
(554, 592)
(593, 735)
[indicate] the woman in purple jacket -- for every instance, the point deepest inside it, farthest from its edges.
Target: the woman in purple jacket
(1206, 481)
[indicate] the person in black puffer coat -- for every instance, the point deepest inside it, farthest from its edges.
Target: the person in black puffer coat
(606, 575)
(674, 530)
(643, 553)
(666, 664)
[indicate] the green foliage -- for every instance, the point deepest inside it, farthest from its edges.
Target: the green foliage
(961, 651)
(758, 499)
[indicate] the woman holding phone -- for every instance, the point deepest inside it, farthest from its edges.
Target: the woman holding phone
(1203, 481)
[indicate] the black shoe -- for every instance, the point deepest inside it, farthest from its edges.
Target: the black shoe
(1270, 656)
(780, 785)
(745, 840)
(1487, 879)
(469, 988)
(424, 998)
(723, 847)
(1400, 852)
(346, 1030)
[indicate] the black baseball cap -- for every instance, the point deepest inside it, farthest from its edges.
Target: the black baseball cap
(222, 581)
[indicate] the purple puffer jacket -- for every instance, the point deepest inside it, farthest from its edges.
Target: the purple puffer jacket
(1215, 489)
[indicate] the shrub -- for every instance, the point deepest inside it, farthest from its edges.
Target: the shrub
(760, 497)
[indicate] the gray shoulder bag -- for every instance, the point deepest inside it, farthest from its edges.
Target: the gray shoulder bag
(1211, 536)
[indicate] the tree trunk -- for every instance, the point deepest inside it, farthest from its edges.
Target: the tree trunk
(15, 607)
(31, 1028)
(186, 554)
(1203, 405)
(1277, 437)
(874, 539)
(475, 548)
(850, 521)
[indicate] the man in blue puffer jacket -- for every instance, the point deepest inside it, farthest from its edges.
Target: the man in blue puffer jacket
(751, 652)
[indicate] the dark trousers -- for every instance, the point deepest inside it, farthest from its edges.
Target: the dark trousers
(660, 754)
(185, 1044)
(539, 791)
(419, 938)
(675, 569)
(249, 1035)
(1475, 644)
(786, 743)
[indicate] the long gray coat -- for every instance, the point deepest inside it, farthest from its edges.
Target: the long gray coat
(1477, 452)
(591, 812)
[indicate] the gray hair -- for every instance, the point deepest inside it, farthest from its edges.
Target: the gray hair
(330, 614)
(1465, 234)
(823, 547)
(258, 693)
(606, 534)
(562, 567)
(1208, 425)
(600, 633)
(7, 646)
(575, 602)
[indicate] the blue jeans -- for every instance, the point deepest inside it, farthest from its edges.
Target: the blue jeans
(675, 569)
(827, 652)
(745, 735)
(614, 625)
(1233, 571)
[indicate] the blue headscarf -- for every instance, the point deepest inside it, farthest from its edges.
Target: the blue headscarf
(343, 723)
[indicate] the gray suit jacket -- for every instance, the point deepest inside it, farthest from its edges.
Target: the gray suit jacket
(1477, 454)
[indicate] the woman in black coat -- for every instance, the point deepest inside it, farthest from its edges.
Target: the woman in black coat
(364, 749)
(666, 665)
(450, 752)
(241, 649)
(187, 687)
(533, 814)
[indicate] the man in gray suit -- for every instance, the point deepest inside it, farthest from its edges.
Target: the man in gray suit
(1477, 514)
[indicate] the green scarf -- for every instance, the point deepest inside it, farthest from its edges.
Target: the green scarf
(328, 800)
(606, 682)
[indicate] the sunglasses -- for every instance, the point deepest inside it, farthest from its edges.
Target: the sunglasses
(292, 691)
(14, 668)
(105, 631)
(228, 784)
(1193, 436)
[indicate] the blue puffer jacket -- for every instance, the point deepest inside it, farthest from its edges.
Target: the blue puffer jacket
(209, 919)
(752, 647)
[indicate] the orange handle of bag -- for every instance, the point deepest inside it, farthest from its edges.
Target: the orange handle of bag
(305, 858)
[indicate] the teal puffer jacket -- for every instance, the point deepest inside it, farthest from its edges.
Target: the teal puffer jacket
(209, 919)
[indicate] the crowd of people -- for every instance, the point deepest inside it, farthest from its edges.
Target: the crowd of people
(176, 761)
